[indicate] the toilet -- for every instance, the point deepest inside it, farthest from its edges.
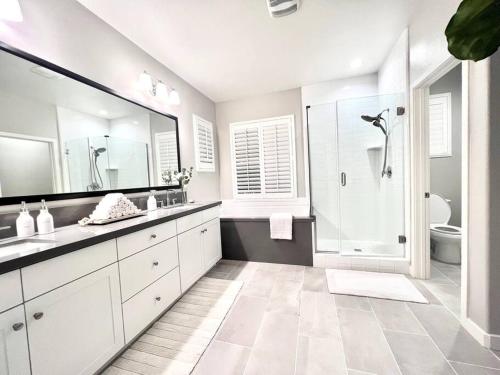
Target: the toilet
(445, 238)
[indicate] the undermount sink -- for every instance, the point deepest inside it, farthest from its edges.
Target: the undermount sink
(22, 245)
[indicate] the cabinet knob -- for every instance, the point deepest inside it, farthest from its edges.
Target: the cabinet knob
(17, 326)
(156, 263)
(158, 298)
(153, 236)
(38, 315)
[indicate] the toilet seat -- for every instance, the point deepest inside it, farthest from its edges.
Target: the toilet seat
(446, 229)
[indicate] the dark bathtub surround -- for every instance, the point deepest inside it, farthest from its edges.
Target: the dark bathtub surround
(249, 239)
(68, 215)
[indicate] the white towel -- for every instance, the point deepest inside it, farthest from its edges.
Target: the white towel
(281, 226)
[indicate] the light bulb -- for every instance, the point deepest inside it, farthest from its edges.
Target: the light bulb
(174, 98)
(145, 82)
(161, 91)
(10, 10)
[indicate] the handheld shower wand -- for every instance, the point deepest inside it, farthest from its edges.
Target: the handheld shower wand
(375, 121)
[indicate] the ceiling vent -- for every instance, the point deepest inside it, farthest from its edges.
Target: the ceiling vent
(281, 8)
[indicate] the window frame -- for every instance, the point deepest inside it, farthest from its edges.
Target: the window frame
(260, 124)
(448, 149)
(201, 166)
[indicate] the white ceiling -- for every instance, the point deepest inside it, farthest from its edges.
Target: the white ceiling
(232, 48)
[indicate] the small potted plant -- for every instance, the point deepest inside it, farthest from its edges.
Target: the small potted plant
(183, 177)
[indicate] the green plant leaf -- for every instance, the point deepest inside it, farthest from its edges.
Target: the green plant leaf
(473, 33)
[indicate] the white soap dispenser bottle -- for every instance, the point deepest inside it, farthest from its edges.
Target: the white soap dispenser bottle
(25, 225)
(44, 220)
(152, 201)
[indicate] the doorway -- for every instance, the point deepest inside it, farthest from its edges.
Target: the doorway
(440, 183)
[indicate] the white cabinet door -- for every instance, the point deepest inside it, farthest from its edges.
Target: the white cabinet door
(190, 257)
(212, 249)
(76, 328)
(14, 357)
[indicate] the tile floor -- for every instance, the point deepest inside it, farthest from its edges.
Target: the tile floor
(285, 322)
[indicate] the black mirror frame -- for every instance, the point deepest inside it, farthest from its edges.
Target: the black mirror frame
(4, 201)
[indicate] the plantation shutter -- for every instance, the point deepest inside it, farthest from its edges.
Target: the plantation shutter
(246, 157)
(262, 155)
(204, 145)
(440, 125)
(166, 153)
(277, 158)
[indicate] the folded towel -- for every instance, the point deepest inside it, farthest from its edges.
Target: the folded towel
(281, 226)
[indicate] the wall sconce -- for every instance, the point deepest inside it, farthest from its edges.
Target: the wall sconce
(10, 10)
(158, 89)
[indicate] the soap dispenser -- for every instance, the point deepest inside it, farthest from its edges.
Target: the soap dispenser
(25, 225)
(44, 220)
(152, 201)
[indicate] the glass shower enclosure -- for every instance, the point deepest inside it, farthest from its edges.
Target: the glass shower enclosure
(106, 163)
(357, 175)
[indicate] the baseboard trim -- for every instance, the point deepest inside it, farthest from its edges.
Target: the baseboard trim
(488, 340)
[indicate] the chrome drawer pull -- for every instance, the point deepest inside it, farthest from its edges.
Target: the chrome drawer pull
(18, 326)
(38, 315)
(156, 263)
(153, 236)
(158, 298)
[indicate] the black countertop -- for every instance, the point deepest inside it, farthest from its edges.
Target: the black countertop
(75, 237)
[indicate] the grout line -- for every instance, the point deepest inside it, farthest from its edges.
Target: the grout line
(432, 340)
(470, 364)
(339, 327)
(379, 323)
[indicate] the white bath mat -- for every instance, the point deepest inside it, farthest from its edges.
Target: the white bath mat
(174, 344)
(373, 284)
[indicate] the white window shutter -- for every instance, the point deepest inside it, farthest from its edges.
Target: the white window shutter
(166, 153)
(277, 158)
(203, 144)
(247, 160)
(263, 158)
(440, 125)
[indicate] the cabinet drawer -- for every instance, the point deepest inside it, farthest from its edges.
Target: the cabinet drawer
(187, 222)
(135, 242)
(10, 290)
(141, 269)
(50, 274)
(143, 308)
(211, 213)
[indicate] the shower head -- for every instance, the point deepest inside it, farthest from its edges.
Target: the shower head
(99, 151)
(369, 118)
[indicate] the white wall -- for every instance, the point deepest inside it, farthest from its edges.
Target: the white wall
(428, 46)
(268, 105)
(67, 34)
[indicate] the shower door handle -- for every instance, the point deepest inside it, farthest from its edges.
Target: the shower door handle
(343, 179)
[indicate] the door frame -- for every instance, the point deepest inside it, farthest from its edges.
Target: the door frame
(54, 155)
(420, 175)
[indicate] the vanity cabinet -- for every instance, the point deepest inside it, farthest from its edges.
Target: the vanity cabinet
(211, 244)
(199, 250)
(76, 328)
(71, 314)
(14, 357)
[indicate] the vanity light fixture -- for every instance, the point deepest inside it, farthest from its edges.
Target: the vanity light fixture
(10, 10)
(158, 89)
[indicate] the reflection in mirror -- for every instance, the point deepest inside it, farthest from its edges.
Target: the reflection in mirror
(58, 135)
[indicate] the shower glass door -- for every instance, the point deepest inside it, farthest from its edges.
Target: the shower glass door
(371, 197)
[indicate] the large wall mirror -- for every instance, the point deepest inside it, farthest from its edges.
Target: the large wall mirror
(63, 136)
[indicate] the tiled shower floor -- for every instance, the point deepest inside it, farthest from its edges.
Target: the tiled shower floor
(286, 322)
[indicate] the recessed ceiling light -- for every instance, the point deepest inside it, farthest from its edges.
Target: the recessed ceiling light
(103, 112)
(356, 63)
